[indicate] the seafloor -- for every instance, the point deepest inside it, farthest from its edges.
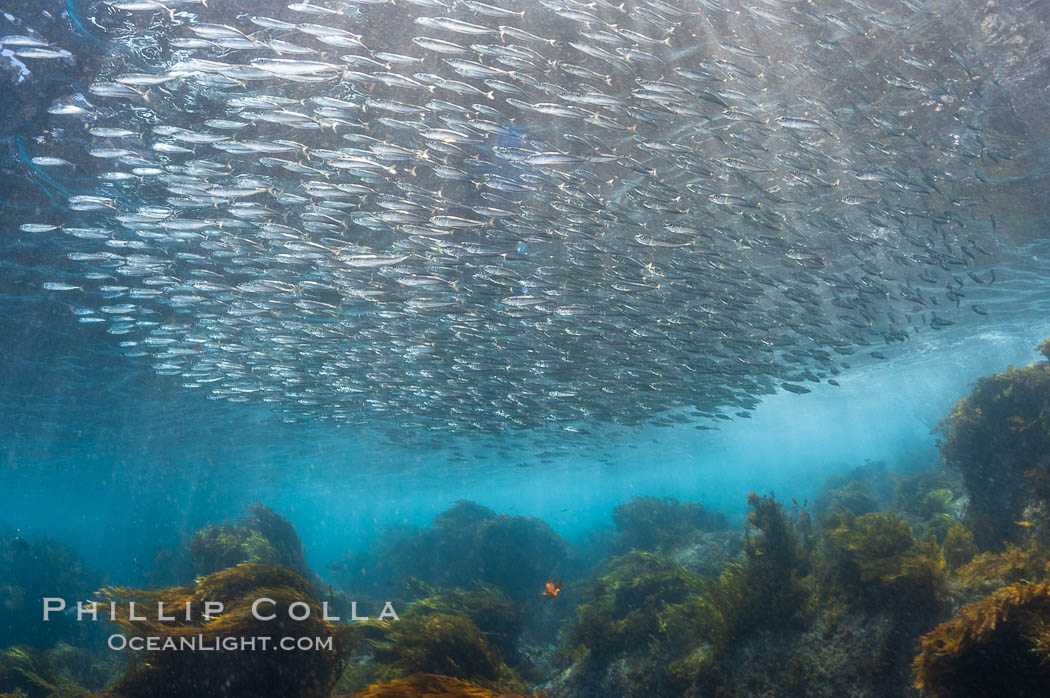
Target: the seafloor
(900, 579)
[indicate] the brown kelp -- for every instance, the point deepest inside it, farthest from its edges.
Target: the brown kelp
(991, 570)
(439, 643)
(437, 637)
(61, 672)
(497, 618)
(238, 674)
(631, 603)
(670, 627)
(874, 560)
(430, 686)
(263, 536)
(958, 546)
(998, 646)
(843, 606)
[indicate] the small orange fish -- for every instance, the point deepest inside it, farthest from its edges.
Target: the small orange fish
(1026, 524)
(552, 588)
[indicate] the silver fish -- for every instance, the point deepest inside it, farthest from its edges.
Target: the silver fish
(546, 215)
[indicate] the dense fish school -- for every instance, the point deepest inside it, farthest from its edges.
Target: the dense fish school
(459, 216)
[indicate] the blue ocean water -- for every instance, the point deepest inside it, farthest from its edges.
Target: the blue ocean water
(119, 465)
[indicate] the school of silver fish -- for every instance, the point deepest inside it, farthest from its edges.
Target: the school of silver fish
(462, 216)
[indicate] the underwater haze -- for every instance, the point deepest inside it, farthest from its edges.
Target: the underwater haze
(419, 299)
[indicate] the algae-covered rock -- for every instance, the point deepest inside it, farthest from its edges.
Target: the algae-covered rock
(631, 606)
(998, 646)
(834, 654)
(861, 490)
(933, 502)
(438, 643)
(998, 438)
(468, 635)
(79, 666)
(262, 537)
(711, 552)
(430, 642)
(242, 673)
(60, 672)
(655, 628)
(499, 619)
(959, 547)
(216, 548)
(649, 523)
(465, 545)
(647, 614)
(31, 570)
(855, 496)
(778, 625)
(875, 561)
(922, 495)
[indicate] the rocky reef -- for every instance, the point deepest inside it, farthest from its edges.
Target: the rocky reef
(471, 636)
(655, 628)
(997, 646)
(828, 605)
(861, 597)
(898, 581)
(35, 568)
(241, 673)
(262, 537)
(649, 523)
(466, 544)
(63, 671)
(998, 439)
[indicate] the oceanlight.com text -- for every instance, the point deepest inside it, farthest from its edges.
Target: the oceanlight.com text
(200, 643)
